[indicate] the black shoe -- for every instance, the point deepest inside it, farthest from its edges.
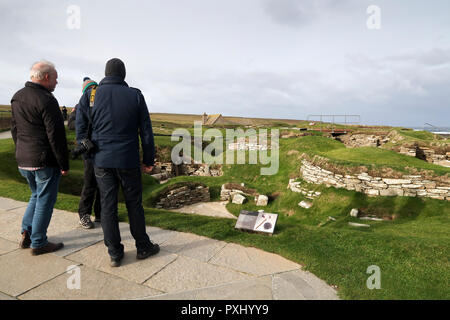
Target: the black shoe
(86, 223)
(25, 242)
(115, 262)
(49, 247)
(143, 254)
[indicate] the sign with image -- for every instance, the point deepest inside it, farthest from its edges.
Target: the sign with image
(257, 221)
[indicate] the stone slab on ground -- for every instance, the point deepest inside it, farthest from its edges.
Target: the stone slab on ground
(194, 246)
(6, 297)
(188, 274)
(300, 285)
(77, 239)
(8, 204)
(7, 246)
(132, 269)
(94, 285)
(254, 289)
(252, 261)
(21, 271)
(213, 209)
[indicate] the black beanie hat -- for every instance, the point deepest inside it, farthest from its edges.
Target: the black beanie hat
(115, 67)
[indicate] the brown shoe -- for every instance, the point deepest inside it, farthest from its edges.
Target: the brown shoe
(49, 247)
(25, 242)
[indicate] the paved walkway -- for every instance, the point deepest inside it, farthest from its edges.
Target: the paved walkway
(188, 266)
(5, 135)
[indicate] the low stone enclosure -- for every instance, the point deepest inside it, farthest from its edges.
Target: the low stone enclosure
(182, 194)
(408, 185)
(167, 170)
(439, 156)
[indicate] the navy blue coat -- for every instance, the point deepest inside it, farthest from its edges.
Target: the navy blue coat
(119, 117)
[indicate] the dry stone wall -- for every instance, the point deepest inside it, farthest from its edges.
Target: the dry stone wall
(183, 195)
(409, 185)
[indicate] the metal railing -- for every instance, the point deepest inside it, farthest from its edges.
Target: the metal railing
(334, 117)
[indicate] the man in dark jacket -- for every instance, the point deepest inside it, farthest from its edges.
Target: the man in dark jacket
(37, 128)
(90, 194)
(119, 117)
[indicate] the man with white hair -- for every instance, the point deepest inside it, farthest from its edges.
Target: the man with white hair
(42, 156)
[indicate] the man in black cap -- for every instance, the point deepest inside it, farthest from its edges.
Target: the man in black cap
(119, 117)
(90, 194)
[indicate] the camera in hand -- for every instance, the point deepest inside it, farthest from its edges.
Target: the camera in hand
(85, 146)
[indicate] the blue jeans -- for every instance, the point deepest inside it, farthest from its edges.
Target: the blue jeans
(44, 185)
(109, 180)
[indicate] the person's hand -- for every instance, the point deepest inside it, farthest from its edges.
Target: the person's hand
(64, 173)
(146, 169)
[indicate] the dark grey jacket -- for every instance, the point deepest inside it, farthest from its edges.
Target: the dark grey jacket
(37, 128)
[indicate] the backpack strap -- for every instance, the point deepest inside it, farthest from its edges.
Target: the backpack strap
(92, 99)
(91, 105)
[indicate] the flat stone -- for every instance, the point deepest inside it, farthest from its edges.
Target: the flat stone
(97, 257)
(358, 225)
(193, 246)
(187, 274)
(10, 225)
(238, 199)
(6, 297)
(396, 181)
(94, 285)
(18, 276)
(255, 289)
(9, 204)
(212, 209)
(262, 200)
(7, 246)
(305, 204)
(77, 239)
(301, 285)
(354, 213)
(252, 261)
(391, 192)
(159, 236)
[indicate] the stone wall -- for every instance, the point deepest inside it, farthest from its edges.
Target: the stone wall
(167, 170)
(409, 185)
(178, 196)
(427, 154)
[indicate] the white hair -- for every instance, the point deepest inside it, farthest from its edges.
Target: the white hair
(40, 69)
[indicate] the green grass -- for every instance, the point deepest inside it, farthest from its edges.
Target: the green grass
(412, 250)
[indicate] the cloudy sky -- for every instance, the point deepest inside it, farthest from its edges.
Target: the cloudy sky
(255, 58)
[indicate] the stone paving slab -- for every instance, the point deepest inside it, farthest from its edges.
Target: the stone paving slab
(255, 289)
(77, 239)
(132, 269)
(8, 204)
(252, 261)
(194, 246)
(160, 236)
(10, 225)
(94, 285)
(299, 284)
(211, 209)
(6, 297)
(7, 246)
(20, 271)
(188, 274)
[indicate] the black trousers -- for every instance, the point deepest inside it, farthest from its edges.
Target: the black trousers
(109, 180)
(90, 194)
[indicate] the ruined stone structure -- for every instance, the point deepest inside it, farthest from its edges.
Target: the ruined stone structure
(165, 171)
(181, 195)
(427, 154)
(409, 185)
